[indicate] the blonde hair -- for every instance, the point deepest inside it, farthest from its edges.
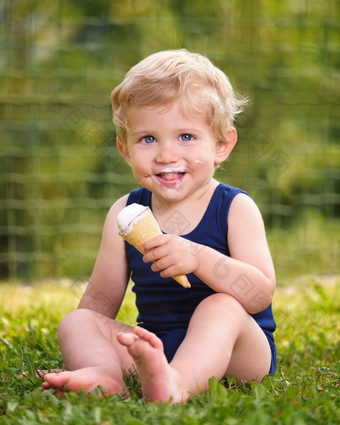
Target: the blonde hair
(163, 77)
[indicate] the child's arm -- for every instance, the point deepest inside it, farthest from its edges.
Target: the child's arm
(106, 288)
(248, 275)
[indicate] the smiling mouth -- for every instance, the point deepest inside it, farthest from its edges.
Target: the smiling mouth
(170, 176)
(170, 179)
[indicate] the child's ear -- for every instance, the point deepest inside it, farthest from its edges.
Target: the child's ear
(123, 150)
(225, 147)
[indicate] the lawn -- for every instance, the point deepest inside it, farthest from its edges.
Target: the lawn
(305, 389)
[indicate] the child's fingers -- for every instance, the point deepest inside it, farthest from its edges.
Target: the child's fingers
(155, 242)
(156, 248)
(154, 255)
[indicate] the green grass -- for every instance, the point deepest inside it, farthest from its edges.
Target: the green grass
(305, 389)
(310, 245)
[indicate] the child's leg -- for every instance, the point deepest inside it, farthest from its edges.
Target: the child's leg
(91, 354)
(221, 339)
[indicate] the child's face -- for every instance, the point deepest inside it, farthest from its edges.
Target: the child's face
(171, 153)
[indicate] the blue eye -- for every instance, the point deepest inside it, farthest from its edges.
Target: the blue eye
(148, 139)
(186, 137)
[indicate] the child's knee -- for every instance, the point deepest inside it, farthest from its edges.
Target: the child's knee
(224, 303)
(73, 319)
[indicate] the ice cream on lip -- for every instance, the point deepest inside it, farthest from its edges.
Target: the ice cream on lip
(136, 225)
(180, 169)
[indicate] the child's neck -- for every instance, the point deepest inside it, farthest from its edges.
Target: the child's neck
(183, 217)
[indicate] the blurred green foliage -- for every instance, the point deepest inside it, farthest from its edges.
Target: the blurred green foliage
(60, 170)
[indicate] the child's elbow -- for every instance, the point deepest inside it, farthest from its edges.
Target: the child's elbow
(263, 298)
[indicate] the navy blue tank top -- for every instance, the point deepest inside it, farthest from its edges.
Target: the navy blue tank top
(162, 303)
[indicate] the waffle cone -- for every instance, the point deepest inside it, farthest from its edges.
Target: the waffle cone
(143, 230)
(182, 280)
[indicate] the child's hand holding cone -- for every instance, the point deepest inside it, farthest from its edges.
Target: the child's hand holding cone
(136, 225)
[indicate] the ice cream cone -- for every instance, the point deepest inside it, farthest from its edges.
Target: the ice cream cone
(137, 225)
(182, 280)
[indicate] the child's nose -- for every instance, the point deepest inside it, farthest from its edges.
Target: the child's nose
(167, 153)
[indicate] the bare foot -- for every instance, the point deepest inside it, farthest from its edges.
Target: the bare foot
(160, 382)
(86, 379)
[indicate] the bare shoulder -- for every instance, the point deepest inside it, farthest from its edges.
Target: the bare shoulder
(110, 225)
(243, 207)
(117, 207)
(245, 215)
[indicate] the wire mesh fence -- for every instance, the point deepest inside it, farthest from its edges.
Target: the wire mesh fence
(60, 170)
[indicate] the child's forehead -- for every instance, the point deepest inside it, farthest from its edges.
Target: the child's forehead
(175, 111)
(184, 106)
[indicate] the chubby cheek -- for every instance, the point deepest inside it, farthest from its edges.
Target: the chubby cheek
(139, 163)
(203, 157)
(139, 174)
(199, 164)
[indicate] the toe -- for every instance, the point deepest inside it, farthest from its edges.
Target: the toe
(57, 379)
(150, 337)
(126, 339)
